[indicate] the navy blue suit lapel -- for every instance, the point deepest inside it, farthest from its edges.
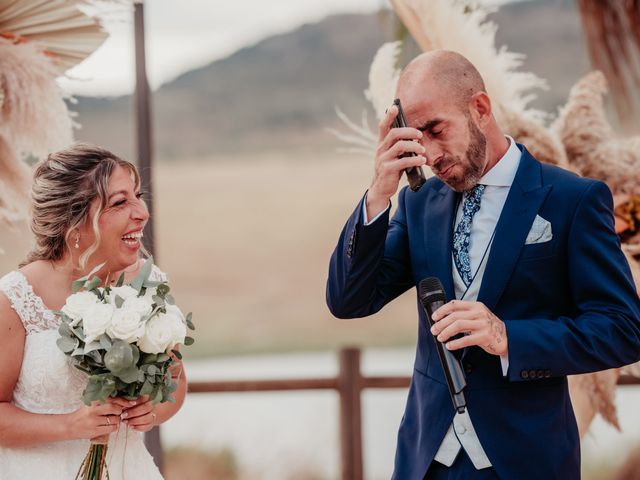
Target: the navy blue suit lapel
(523, 202)
(438, 223)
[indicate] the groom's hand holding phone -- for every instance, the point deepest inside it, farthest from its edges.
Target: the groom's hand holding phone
(390, 162)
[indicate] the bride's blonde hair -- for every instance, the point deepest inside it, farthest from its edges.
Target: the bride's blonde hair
(65, 184)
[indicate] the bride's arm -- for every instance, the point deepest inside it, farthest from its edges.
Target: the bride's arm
(19, 428)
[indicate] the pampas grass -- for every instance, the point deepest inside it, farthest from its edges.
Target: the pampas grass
(33, 119)
(590, 142)
(383, 78)
(462, 26)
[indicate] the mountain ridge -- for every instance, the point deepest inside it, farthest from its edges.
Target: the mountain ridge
(280, 93)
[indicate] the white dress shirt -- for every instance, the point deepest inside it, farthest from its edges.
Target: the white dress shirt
(497, 181)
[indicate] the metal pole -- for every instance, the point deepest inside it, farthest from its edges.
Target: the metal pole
(349, 381)
(144, 151)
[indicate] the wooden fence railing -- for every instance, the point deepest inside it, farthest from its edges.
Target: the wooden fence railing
(349, 383)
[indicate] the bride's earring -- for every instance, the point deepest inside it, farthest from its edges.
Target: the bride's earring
(77, 245)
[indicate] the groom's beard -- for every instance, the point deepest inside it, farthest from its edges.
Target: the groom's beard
(473, 163)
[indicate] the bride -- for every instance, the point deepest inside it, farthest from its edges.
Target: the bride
(87, 209)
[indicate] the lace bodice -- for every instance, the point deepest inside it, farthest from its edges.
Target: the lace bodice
(29, 306)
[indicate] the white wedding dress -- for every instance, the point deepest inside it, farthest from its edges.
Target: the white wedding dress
(49, 384)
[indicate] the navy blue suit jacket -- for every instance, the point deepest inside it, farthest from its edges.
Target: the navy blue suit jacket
(569, 306)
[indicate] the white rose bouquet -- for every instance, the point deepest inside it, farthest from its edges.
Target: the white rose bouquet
(124, 338)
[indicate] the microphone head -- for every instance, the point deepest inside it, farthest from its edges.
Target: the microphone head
(431, 290)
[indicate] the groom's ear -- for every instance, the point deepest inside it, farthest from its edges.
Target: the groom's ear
(480, 109)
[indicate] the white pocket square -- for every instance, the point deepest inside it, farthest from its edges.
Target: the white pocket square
(540, 231)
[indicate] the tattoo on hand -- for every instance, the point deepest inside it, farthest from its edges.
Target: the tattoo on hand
(498, 331)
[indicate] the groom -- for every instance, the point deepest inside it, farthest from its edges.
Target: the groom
(530, 254)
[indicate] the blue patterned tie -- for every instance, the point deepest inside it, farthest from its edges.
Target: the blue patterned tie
(462, 233)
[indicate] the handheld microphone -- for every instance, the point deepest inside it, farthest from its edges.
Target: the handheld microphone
(415, 175)
(432, 297)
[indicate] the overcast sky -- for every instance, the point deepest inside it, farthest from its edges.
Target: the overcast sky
(185, 34)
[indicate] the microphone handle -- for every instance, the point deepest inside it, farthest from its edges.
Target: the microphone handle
(451, 365)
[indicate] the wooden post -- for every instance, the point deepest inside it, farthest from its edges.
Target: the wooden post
(143, 137)
(349, 384)
(144, 147)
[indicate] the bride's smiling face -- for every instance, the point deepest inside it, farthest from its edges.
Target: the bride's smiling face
(120, 223)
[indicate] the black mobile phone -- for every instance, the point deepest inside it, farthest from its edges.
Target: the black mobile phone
(415, 175)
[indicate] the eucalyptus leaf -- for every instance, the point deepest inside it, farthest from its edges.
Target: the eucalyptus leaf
(163, 357)
(78, 333)
(105, 341)
(120, 281)
(67, 344)
(143, 275)
(188, 341)
(119, 301)
(158, 397)
(177, 354)
(95, 356)
(129, 375)
(150, 358)
(65, 330)
(190, 322)
(147, 388)
(158, 300)
(119, 358)
(131, 390)
(92, 284)
(163, 289)
(151, 283)
(77, 285)
(77, 351)
(170, 300)
(90, 347)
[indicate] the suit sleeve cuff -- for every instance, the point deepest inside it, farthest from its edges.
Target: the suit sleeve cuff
(504, 361)
(365, 220)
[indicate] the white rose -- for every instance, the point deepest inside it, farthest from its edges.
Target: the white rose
(180, 328)
(77, 305)
(139, 305)
(163, 331)
(126, 325)
(124, 292)
(96, 320)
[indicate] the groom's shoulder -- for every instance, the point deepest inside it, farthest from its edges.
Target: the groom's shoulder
(563, 180)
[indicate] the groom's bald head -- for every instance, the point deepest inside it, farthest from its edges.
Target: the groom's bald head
(451, 74)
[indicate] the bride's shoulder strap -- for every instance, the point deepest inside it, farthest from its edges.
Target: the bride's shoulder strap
(25, 302)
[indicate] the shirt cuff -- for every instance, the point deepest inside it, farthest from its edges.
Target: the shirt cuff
(504, 361)
(365, 221)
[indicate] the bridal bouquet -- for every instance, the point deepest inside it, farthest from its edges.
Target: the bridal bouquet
(124, 337)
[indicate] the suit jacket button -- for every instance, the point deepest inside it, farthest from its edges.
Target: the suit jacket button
(547, 374)
(524, 374)
(532, 374)
(467, 367)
